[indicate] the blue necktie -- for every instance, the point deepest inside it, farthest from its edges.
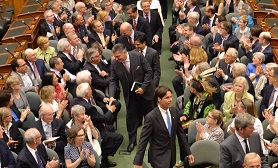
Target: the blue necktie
(169, 123)
(39, 160)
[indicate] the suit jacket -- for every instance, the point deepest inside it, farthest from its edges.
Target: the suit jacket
(267, 52)
(40, 66)
(218, 39)
(162, 150)
(97, 118)
(58, 129)
(143, 26)
(232, 154)
(206, 20)
(16, 136)
(82, 32)
(140, 71)
(44, 28)
(124, 41)
(7, 159)
(93, 37)
(223, 65)
(27, 88)
(183, 38)
(73, 65)
(98, 82)
(155, 23)
(266, 98)
(26, 160)
(154, 61)
(187, 9)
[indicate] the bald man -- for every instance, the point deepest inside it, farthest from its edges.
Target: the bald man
(34, 153)
(128, 35)
(36, 66)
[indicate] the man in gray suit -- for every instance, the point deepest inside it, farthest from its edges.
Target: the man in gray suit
(244, 140)
(130, 68)
(27, 80)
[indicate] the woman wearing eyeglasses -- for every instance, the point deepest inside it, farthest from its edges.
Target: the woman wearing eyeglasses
(11, 135)
(78, 152)
(7, 159)
(213, 129)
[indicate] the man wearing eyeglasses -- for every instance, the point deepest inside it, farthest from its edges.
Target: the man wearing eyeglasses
(27, 80)
(50, 127)
(49, 28)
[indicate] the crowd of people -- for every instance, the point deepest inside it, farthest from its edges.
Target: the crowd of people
(223, 66)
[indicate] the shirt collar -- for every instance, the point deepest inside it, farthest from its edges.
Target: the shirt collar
(144, 51)
(239, 137)
(127, 58)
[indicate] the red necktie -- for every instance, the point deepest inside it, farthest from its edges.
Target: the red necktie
(36, 72)
(130, 42)
(134, 24)
(261, 49)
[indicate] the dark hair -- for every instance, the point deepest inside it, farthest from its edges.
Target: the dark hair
(196, 85)
(256, 30)
(227, 26)
(5, 96)
(191, 26)
(15, 64)
(47, 78)
(74, 17)
(221, 18)
(161, 91)
(118, 47)
(249, 106)
(275, 72)
(211, 9)
(53, 61)
(133, 8)
(228, 44)
(141, 38)
(194, 2)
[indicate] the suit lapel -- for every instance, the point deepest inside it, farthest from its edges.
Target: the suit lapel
(31, 158)
(40, 128)
(160, 120)
(54, 128)
(238, 145)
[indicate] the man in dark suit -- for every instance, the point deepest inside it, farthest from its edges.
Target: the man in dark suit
(131, 68)
(190, 7)
(264, 47)
(254, 38)
(34, 153)
(209, 19)
(36, 66)
(101, 35)
(75, 43)
(242, 141)
(59, 17)
(151, 55)
(111, 141)
(225, 34)
(127, 37)
(49, 28)
(49, 127)
(271, 91)
(154, 19)
(73, 65)
(161, 127)
(139, 23)
(79, 27)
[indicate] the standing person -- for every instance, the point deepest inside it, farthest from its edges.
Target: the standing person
(161, 127)
(130, 68)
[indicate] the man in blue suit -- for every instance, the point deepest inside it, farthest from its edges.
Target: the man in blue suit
(36, 66)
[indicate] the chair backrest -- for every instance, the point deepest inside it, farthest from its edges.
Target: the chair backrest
(226, 134)
(186, 95)
(268, 135)
(205, 152)
(107, 53)
(98, 159)
(69, 97)
(245, 60)
(100, 92)
(99, 109)
(259, 113)
(14, 155)
(22, 132)
(202, 11)
(53, 43)
(34, 102)
(29, 121)
(66, 116)
(213, 62)
(52, 154)
(272, 159)
(230, 15)
(192, 131)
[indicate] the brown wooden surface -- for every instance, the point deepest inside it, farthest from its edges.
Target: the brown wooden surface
(36, 10)
(275, 50)
(5, 71)
(14, 48)
(17, 5)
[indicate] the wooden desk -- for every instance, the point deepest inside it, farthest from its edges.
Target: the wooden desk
(14, 48)
(23, 33)
(263, 7)
(36, 10)
(29, 21)
(275, 51)
(34, 2)
(5, 71)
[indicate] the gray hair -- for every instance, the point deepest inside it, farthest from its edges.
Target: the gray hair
(202, 66)
(243, 120)
(28, 50)
(43, 107)
(194, 15)
(76, 110)
(91, 52)
(271, 65)
(239, 69)
(234, 52)
(30, 135)
(260, 56)
(83, 77)
(62, 44)
(78, 5)
(46, 12)
(118, 47)
(82, 89)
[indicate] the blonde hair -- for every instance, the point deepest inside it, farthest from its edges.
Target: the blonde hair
(217, 115)
(11, 82)
(197, 55)
(46, 92)
(244, 18)
(42, 40)
(4, 112)
(242, 80)
(101, 14)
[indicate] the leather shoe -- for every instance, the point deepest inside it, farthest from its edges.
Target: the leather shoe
(109, 163)
(130, 147)
(171, 58)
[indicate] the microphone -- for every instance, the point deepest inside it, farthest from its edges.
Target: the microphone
(16, 41)
(257, 3)
(274, 24)
(31, 15)
(9, 52)
(2, 77)
(26, 24)
(265, 16)
(39, 3)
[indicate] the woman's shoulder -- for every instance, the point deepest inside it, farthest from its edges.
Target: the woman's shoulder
(50, 49)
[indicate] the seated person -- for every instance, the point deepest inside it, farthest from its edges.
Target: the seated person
(44, 51)
(8, 160)
(256, 69)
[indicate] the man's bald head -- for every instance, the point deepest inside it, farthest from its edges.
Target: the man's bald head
(195, 41)
(67, 28)
(126, 29)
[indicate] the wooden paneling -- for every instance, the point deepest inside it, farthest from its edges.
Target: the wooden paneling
(17, 4)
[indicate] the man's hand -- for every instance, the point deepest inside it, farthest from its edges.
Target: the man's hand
(103, 74)
(139, 91)
(227, 88)
(190, 158)
(155, 38)
(205, 26)
(183, 118)
(52, 164)
(86, 39)
(138, 166)
(111, 108)
(182, 15)
(66, 77)
(80, 53)
(216, 47)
